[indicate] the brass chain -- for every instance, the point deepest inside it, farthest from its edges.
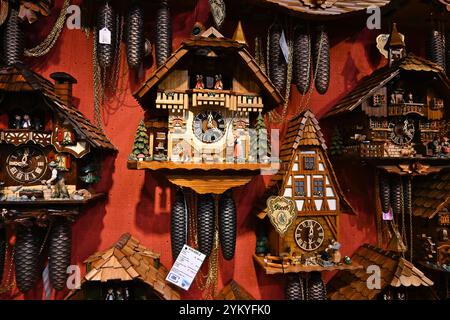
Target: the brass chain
(98, 89)
(49, 42)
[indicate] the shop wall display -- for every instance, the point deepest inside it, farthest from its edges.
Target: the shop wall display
(293, 143)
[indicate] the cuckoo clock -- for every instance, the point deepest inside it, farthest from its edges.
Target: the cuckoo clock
(45, 142)
(202, 108)
(310, 243)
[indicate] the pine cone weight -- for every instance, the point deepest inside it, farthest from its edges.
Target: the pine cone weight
(60, 245)
(277, 64)
(26, 259)
(302, 59)
(178, 224)
(163, 33)
(322, 60)
(3, 244)
(316, 287)
(294, 288)
(206, 220)
(385, 192)
(135, 37)
(436, 48)
(106, 18)
(228, 224)
(13, 39)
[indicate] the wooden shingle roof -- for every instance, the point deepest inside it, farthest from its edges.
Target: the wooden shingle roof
(379, 78)
(18, 78)
(431, 194)
(211, 42)
(303, 130)
(234, 291)
(395, 272)
(323, 8)
(127, 260)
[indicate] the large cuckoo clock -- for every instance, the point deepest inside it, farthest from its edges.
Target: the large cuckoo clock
(200, 132)
(47, 152)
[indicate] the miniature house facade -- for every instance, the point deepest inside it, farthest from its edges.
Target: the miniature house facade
(202, 105)
(396, 112)
(307, 177)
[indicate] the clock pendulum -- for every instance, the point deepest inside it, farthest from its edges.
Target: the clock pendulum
(59, 252)
(26, 259)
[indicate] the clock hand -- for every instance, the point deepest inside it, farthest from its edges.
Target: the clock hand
(311, 232)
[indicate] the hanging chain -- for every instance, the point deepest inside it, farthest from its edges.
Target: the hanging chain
(46, 237)
(403, 234)
(289, 74)
(9, 280)
(45, 46)
(98, 89)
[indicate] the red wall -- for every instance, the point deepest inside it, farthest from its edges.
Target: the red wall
(140, 202)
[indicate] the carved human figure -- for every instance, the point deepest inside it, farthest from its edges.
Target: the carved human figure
(26, 122)
(60, 189)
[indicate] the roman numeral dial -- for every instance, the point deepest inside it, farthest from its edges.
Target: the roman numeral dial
(26, 164)
(309, 235)
(209, 126)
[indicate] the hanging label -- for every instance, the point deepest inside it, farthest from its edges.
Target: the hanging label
(284, 47)
(388, 216)
(186, 267)
(104, 36)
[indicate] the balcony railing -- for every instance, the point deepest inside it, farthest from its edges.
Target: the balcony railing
(407, 108)
(21, 136)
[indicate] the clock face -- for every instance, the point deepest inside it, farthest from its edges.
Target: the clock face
(209, 126)
(309, 235)
(26, 164)
(402, 132)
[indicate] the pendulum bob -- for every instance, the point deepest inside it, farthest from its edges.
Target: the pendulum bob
(13, 39)
(277, 63)
(436, 48)
(178, 224)
(316, 287)
(106, 18)
(294, 287)
(26, 258)
(302, 59)
(385, 193)
(135, 37)
(3, 245)
(163, 33)
(206, 212)
(227, 224)
(322, 60)
(59, 252)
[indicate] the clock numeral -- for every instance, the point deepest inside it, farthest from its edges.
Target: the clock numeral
(19, 175)
(14, 170)
(41, 163)
(26, 177)
(38, 170)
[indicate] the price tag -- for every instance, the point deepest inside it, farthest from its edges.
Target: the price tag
(284, 47)
(104, 36)
(186, 267)
(388, 216)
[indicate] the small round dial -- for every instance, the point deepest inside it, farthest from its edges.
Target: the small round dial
(26, 164)
(209, 126)
(402, 132)
(309, 235)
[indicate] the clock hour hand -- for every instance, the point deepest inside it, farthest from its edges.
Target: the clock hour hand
(311, 232)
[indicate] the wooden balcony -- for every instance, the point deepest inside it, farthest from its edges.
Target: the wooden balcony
(407, 108)
(21, 136)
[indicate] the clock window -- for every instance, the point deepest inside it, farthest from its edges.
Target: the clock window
(318, 187)
(309, 163)
(299, 188)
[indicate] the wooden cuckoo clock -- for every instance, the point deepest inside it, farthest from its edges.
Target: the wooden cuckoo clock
(202, 107)
(45, 144)
(307, 179)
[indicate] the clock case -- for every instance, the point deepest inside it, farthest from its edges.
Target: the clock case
(65, 136)
(307, 177)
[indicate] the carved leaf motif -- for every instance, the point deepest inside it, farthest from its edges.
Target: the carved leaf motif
(218, 11)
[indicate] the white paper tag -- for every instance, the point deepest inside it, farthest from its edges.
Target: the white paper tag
(388, 216)
(284, 47)
(104, 36)
(186, 267)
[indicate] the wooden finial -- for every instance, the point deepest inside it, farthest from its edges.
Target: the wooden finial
(239, 35)
(395, 39)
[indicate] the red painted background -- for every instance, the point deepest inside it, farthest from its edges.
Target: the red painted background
(140, 202)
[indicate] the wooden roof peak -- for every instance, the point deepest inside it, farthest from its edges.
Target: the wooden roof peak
(127, 260)
(395, 271)
(395, 39)
(211, 38)
(380, 77)
(239, 35)
(303, 130)
(18, 78)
